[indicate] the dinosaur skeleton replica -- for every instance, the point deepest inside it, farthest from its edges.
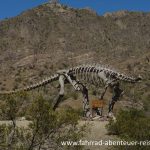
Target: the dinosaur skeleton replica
(77, 76)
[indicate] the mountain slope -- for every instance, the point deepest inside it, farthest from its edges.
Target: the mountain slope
(51, 36)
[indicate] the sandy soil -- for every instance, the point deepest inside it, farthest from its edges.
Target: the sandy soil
(98, 132)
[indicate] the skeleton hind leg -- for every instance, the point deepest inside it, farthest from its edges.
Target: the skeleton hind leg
(61, 92)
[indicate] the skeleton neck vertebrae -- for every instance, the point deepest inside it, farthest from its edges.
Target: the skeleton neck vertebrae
(76, 76)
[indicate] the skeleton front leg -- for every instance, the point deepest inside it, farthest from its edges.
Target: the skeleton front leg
(61, 92)
(104, 91)
(108, 83)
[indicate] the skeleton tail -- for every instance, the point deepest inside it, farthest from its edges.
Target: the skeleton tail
(34, 86)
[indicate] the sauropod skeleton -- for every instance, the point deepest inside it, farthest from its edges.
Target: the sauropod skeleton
(77, 76)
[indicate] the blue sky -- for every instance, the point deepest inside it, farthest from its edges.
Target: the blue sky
(10, 8)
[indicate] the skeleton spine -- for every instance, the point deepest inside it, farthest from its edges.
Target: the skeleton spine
(90, 73)
(95, 74)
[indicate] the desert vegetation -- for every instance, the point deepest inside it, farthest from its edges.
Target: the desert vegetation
(42, 127)
(131, 125)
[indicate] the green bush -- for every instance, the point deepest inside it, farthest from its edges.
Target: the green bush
(131, 125)
(47, 128)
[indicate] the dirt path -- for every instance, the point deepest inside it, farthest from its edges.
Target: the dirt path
(19, 123)
(98, 132)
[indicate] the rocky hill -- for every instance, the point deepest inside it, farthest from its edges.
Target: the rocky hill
(52, 36)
